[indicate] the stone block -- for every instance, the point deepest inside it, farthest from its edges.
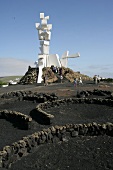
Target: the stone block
(41, 15)
(50, 136)
(44, 138)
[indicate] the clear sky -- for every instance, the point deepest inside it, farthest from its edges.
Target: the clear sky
(84, 26)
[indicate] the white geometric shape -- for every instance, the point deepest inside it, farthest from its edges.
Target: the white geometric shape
(40, 74)
(63, 59)
(39, 34)
(44, 34)
(65, 54)
(41, 37)
(48, 36)
(44, 42)
(63, 62)
(41, 15)
(45, 49)
(47, 17)
(74, 55)
(40, 31)
(41, 56)
(37, 26)
(53, 59)
(40, 62)
(44, 27)
(44, 22)
(41, 49)
(49, 26)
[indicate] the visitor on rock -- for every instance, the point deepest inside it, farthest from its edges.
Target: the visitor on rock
(60, 71)
(75, 82)
(45, 80)
(56, 69)
(95, 79)
(61, 78)
(98, 79)
(80, 81)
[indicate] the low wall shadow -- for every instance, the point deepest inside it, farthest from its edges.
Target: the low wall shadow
(22, 125)
(39, 117)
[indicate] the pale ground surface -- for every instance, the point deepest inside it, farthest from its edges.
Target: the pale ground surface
(64, 89)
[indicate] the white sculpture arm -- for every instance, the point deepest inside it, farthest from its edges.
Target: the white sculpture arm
(74, 55)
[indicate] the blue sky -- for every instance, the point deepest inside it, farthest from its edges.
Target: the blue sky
(84, 26)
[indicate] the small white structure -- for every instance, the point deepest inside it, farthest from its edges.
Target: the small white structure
(44, 58)
(11, 82)
(4, 85)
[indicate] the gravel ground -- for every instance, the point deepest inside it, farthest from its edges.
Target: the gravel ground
(83, 153)
(81, 113)
(9, 132)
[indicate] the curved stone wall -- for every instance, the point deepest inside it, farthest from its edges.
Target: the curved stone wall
(29, 95)
(28, 144)
(17, 118)
(23, 147)
(96, 92)
(46, 105)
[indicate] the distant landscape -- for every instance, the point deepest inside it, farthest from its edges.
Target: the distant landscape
(8, 78)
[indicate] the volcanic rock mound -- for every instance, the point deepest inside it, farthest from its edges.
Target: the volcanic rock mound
(30, 76)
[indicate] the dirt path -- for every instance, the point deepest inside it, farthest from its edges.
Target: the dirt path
(64, 89)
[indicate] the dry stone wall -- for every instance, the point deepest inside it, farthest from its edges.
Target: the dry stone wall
(48, 104)
(29, 95)
(96, 92)
(17, 118)
(11, 154)
(27, 144)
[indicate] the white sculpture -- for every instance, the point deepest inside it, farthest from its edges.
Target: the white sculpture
(44, 58)
(44, 33)
(65, 56)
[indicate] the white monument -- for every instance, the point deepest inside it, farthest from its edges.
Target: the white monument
(44, 58)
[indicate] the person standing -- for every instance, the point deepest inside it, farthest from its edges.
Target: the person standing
(80, 81)
(75, 82)
(95, 79)
(98, 79)
(46, 79)
(61, 78)
(60, 71)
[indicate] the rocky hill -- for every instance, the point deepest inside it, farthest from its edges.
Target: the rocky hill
(69, 75)
(30, 76)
